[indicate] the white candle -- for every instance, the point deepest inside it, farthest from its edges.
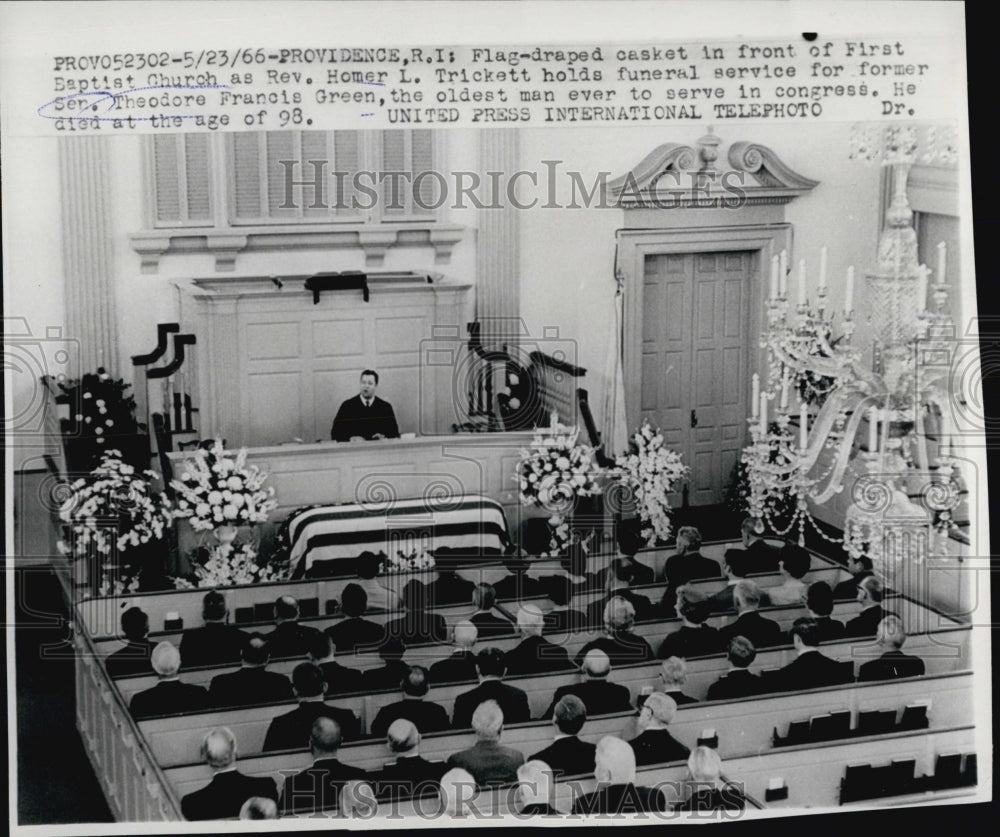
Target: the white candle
(784, 391)
(849, 292)
(763, 414)
(783, 274)
(553, 419)
(944, 434)
(755, 397)
(921, 290)
(941, 249)
(802, 281)
(822, 268)
(774, 277)
(804, 426)
(872, 430)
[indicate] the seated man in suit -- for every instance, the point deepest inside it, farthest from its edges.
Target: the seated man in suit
(619, 642)
(860, 568)
(567, 755)
(418, 625)
(216, 643)
(759, 555)
(410, 774)
(733, 567)
(354, 632)
(562, 618)
(654, 744)
(518, 584)
(390, 675)
(760, 630)
(673, 675)
(616, 791)
(687, 564)
(708, 791)
(253, 683)
(694, 638)
(340, 680)
(224, 796)
(512, 701)
(598, 695)
(318, 787)
(629, 544)
(291, 730)
(488, 761)
(819, 604)
(866, 623)
(449, 587)
(365, 416)
(379, 596)
(461, 665)
(134, 658)
(169, 695)
(535, 788)
(893, 663)
(738, 682)
(289, 638)
(810, 669)
(488, 625)
(428, 716)
(793, 564)
(457, 787)
(534, 655)
(618, 579)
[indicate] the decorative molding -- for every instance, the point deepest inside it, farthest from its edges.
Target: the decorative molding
(675, 176)
(225, 244)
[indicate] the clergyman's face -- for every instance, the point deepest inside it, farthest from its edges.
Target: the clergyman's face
(368, 386)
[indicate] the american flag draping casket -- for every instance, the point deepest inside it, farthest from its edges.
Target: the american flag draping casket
(328, 533)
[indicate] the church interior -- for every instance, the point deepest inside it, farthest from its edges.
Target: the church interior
(602, 352)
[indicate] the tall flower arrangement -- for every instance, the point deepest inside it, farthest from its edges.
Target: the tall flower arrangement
(216, 489)
(552, 474)
(651, 470)
(229, 564)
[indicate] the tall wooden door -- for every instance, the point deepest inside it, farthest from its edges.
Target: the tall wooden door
(694, 362)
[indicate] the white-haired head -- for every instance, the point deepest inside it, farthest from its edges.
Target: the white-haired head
(403, 736)
(534, 783)
(166, 660)
(457, 787)
(614, 761)
(487, 721)
(530, 620)
(357, 799)
(619, 615)
(596, 663)
(218, 748)
(465, 634)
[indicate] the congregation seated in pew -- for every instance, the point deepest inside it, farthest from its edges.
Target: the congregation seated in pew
(534, 790)
(708, 792)
(487, 623)
(252, 682)
(392, 671)
(654, 743)
(216, 642)
(619, 578)
(490, 669)
(811, 669)
(379, 596)
(860, 567)
(461, 664)
(673, 675)
(317, 787)
(870, 594)
(686, 564)
(417, 624)
(598, 695)
(619, 642)
(793, 564)
(289, 638)
(135, 657)
(517, 584)
(739, 681)
(819, 604)
(409, 774)
(893, 663)
(291, 730)
(694, 638)
(534, 654)
(229, 789)
(749, 622)
(339, 679)
(757, 555)
(169, 695)
(562, 618)
(488, 761)
(568, 755)
(617, 793)
(355, 631)
(425, 715)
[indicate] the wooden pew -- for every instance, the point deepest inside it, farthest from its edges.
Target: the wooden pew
(176, 739)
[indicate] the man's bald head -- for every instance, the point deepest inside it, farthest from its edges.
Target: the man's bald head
(325, 736)
(596, 663)
(218, 748)
(466, 634)
(402, 736)
(530, 620)
(166, 659)
(614, 761)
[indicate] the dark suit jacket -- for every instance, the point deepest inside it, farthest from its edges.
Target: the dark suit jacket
(289, 639)
(490, 626)
(132, 659)
(248, 686)
(535, 655)
(849, 589)
(408, 776)
(513, 703)
(460, 666)
(722, 600)
(449, 589)
(489, 762)
(866, 622)
(655, 746)
(340, 680)
(418, 627)
(761, 557)
(760, 630)
(168, 697)
(426, 717)
(517, 587)
(705, 800)
(830, 629)
(599, 696)
(680, 569)
(738, 683)
(564, 619)
(621, 799)
(214, 644)
(891, 665)
(568, 756)
(622, 648)
(691, 642)
(318, 787)
(223, 797)
(355, 419)
(810, 670)
(291, 731)
(538, 809)
(386, 678)
(355, 632)
(680, 698)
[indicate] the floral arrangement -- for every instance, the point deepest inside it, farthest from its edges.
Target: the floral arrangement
(651, 470)
(402, 563)
(228, 564)
(115, 509)
(553, 474)
(216, 489)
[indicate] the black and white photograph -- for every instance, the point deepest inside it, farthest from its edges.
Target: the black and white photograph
(474, 414)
